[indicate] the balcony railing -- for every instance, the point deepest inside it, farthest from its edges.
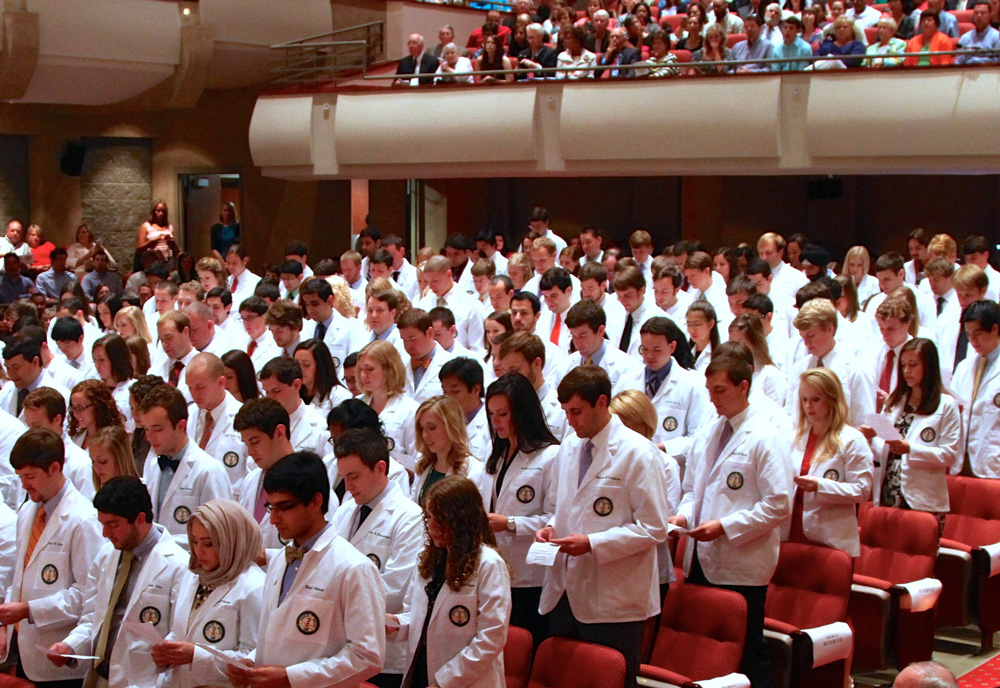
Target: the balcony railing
(329, 56)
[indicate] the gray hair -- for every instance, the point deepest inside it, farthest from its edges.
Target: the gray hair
(604, 13)
(890, 22)
(931, 675)
(535, 28)
(448, 48)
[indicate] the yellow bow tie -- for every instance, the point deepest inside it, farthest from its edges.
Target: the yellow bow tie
(293, 553)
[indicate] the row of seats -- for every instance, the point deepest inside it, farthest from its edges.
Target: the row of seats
(815, 593)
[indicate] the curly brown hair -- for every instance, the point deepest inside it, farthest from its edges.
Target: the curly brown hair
(456, 504)
(106, 411)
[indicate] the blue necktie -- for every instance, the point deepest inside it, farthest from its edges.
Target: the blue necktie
(586, 458)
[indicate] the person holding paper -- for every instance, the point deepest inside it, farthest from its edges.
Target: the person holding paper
(610, 516)
(219, 600)
(456, 618)
(912, 471)
(383, 523)
(520, 473)
(57, 539)
(977, 384)
(324, 605)
(133, 581)
(736, 499)
(834, 466)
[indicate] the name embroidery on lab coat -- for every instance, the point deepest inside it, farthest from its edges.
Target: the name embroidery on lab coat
(525, 494)
(214, 632)
(307, 623)
(231, 459)
(928, 434)
(50, 574)
(459, 615)
(603, 506)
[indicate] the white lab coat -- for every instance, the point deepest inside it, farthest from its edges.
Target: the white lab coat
(224, 443)
(646, 310)
(555, 417)
(478, 429)
(399, 418)
(528, 495)
(153, 598)
(199, 479)
(982, 421)
(467, 630)
(467, 311)
(11, 430)
(829, 515)
(266, 349)
(935, 447)
(246, 284)
(430, 384)
(748, 489)
(248, 500)
(330, 628)
(309, 431)
(682, 408)
(397, 474)
(8, 395)
(855, 377)
(625, 372)
(8, 546)
(227, 621)
(54, 580)
(343, 337)
(475, 471)
(168, 363)
(391, 537)
(621, 505)
(771, 383)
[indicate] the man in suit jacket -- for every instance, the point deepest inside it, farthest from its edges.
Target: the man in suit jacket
(618, 53)
(537, 55)
(418, 61)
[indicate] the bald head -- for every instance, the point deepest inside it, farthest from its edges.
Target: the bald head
(206, 378)
(415, 44)
(209, 364)
(925, 675)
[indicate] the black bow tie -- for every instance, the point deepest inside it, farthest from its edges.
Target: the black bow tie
(166, 462)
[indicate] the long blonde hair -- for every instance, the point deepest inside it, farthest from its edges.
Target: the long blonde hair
(385, 355)
(826, 382)
(138, 320)
(450, 413)
(342, 300)
(117, 441)
(636, 411)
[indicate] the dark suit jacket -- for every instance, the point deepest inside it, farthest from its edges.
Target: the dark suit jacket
(428, 65)
(547, 57)
(628, 56)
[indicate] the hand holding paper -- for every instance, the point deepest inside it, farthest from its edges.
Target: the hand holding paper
(883, 426)
(542, 553)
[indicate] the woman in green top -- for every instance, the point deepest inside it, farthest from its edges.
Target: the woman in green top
(443, 447)
(887, 44)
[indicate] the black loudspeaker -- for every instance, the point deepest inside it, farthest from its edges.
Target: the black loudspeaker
(71, 162)
(826, 188)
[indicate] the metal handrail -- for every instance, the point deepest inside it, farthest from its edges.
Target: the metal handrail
(682, 65)
(322, 58)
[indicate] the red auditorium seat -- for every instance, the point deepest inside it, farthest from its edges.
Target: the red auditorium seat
(8, 681)
(517, 657)
(897, 546)
(701, 635)
(965, 27)
(811, 588)
(674, 21)
(963, 15)
(871, 33)
(970, 594)
(682, 55)
(734, 38)
(565, 663)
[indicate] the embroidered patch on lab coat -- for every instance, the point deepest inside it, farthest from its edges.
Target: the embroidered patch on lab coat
(459, 615)
(669, 423)
(182, 514)
(307, 623)
(603, 506)
(734, 480)
(525, 494)
(50, 574)
(214, 631)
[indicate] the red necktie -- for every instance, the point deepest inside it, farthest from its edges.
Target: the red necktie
(886, 378)
(251, 348)
(206, 434)
(232, 287)
(554, 337)
(175, 373)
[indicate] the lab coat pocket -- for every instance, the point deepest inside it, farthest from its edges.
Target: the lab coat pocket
(54, 572)
(313, 618)
(607, 507)
(460, 613)
(740, 476)
(219, 629)
(152, 608)
(377, 554)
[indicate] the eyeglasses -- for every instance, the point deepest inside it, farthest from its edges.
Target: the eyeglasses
(80, 409)
(281, 507)
(248, 318)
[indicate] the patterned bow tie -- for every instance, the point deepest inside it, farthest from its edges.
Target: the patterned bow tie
(293, 553)
(424, 362)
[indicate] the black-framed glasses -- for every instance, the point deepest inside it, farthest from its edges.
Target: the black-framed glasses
(281, 507)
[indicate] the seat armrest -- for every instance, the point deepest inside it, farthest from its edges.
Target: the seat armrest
(869, 582)
(945, 543)
(824, 645)
(779, 626)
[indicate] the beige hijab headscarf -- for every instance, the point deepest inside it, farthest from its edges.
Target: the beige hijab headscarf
(235, 534)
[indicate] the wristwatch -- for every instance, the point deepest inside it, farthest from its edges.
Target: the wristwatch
(510, 524)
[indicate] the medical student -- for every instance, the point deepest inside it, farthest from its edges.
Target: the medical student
(324, 606)
(834, 466)
(736, 498)
(587, 323)
(456, 618)
(355, 414)
(281, 379)
(462, 380)
(610, 516)
(977, 383)
(180, 476)
(213, 411)
(382, 523)
(520, 472)
(219, 599)
(58, 537)
(134, 580)
(677, 393)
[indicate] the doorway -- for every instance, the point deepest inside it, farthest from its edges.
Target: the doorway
(202, 199)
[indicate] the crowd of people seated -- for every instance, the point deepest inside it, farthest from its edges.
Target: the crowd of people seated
(339, 471)
(635, 39)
